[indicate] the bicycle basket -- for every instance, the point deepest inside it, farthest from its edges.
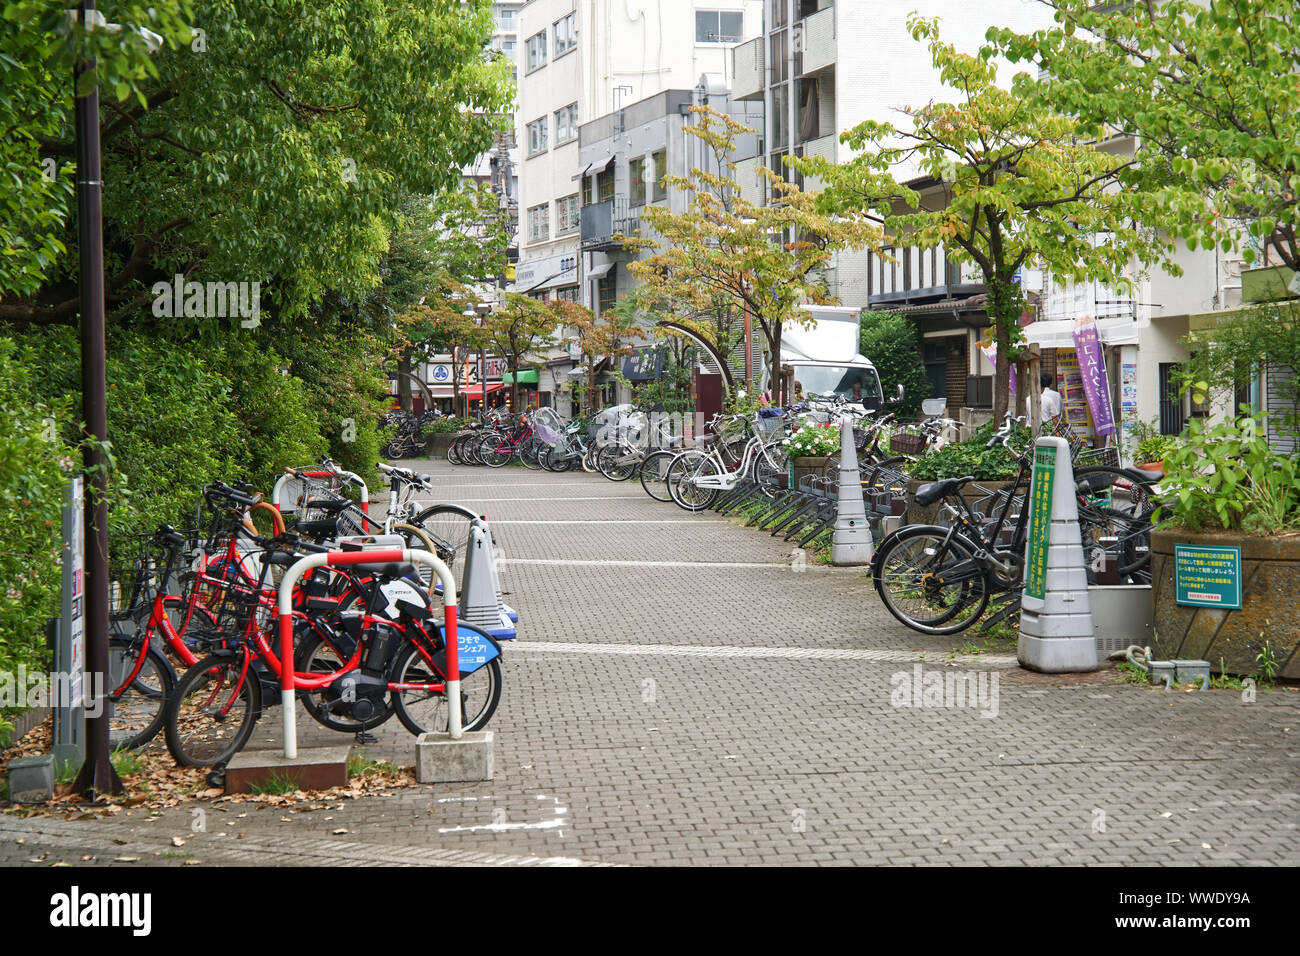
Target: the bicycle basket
(769, 429)
(906, 443)
(1088, 457)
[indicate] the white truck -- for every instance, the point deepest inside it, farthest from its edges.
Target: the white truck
(826, 360)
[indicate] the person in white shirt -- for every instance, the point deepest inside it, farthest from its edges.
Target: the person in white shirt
(1050, 401)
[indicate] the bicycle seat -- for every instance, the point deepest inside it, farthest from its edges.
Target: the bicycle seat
(1149, 476)
(386, 569)
(932, 491)
(326, 528)
(330, 505)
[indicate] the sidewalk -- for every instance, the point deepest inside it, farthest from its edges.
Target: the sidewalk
(679, 694)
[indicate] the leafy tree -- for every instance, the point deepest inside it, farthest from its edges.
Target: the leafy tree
(1208, 88)
(520, 327)
(727, 253)
(1023, 186)
(893, 344)
(276, 146)
(608, 335)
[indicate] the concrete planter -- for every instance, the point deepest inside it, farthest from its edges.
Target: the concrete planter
(437, 446)
(1270, 581)
(929, 514)
(801, 467)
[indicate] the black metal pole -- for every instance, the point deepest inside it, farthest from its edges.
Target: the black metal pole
(97, 776)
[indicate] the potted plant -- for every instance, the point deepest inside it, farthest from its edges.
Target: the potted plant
(809, 448)
(1150, 447)
(1226, 561)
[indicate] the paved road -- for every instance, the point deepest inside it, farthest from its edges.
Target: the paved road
(679, 694)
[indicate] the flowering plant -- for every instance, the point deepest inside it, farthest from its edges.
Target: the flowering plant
(814, 441)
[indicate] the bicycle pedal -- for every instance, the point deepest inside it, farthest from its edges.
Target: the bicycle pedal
(362, 737)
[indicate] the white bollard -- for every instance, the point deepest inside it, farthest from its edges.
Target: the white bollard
(851, 543)
(1056, 630)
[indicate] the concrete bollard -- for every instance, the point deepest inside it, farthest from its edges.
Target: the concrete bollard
(1056, 630)
(851, 543)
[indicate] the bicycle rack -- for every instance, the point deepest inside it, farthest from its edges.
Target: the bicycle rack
(289, 507)
(289, 681)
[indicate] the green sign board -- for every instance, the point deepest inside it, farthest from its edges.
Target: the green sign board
(1207, 577)
(1040, 520)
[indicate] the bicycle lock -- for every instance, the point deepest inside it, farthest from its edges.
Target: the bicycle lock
(288, 679)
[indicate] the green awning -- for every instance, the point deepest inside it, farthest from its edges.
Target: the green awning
(527, 377)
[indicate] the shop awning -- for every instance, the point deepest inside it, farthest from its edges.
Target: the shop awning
(597, 167)
(1059, 333)
(527, 377)
(600, 271)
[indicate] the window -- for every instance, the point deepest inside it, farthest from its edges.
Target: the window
(505, 20)
(536, 52)
(605, 184)
(636, 181)
(537, 136)
(586, 190)
(566, 214)
(569, 294)
(661, 170)
(539, 222)
(606, 294)
(718, 26)
(566, 34)
(566, 124)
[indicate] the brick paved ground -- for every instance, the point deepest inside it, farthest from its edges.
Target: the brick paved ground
(680, 695)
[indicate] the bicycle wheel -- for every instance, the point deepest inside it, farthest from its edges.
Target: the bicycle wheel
(617, 462)
(449, 525)
(1110, 487)
(496, 451)
(556, 459)
(771, 468)
(137, 711)
(529, 452)
(213, 710)
(654, 474)
(453, 453)
(890, 474)
(317, 656)
(1132, 544)
(683, 476)
(422, 711)
(908, 573)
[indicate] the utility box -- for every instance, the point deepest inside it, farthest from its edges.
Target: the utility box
(1189, 672)
(1121, 616)
(1160, 670)
(31, 779)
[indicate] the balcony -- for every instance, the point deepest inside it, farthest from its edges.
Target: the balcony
(748, 74)
(1267, 284)
(600, 222)
(919, 275)
(819, 47)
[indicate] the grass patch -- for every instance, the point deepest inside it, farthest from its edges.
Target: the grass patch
(126, 762)
(275, 784)
(360, 765)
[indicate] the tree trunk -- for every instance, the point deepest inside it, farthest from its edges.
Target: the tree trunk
(455, 382)
(404, 379)
(1005, 303)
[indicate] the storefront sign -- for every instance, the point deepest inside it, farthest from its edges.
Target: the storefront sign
(1207, 577)
(1040, 520)
(1092, 366)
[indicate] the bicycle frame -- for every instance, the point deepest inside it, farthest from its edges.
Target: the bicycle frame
(728, 479)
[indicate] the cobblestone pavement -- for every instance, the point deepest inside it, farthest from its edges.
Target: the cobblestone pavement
(679, 694)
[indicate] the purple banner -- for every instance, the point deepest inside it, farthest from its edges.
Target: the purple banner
(991, 353)
(1092, 366)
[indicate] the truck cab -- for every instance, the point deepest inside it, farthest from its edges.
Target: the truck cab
(826, 360)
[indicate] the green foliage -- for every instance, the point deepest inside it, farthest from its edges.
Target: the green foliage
(1021, 185)
(893, 344)
(1227, 476)
(36, 463)
(1147, 444)
(446, 424)
(971, 457)
(275, 148)
(1208, 91)
(814, 441)
(1229, 355)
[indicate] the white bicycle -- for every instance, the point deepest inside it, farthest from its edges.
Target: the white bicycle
(697, 476)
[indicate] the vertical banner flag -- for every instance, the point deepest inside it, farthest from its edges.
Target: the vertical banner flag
(990, 350)
(1087, 345)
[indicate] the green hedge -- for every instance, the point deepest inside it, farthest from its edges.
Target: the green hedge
(970, 457)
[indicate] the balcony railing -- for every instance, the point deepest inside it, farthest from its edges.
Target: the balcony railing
(818, 41)
(917, 274)
(600, 222)
(748, 74)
